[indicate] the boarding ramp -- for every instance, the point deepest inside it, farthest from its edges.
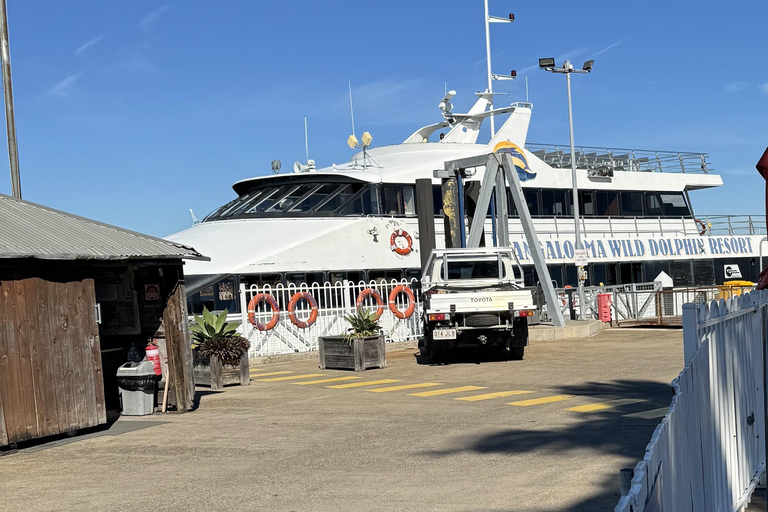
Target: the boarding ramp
(708, 453)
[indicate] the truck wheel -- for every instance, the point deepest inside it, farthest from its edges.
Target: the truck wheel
(516, 353)
(425, 344)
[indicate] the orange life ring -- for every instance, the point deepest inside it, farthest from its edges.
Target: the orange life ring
(376, 296)
(263, 297)
(292, 309)
(411, 302)
(402, 251)
(703, 226)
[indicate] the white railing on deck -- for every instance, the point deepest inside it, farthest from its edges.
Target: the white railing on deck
(334, 301)
(708, 453)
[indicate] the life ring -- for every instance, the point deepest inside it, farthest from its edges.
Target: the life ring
(255, 301)
(411, 302)
(376, 296)
(292, 309)
(402, 251)
(702, 225)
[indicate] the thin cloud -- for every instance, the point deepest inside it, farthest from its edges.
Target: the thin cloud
(149, 20)
(87, 45)
(763, 88)
(617, 43)
(735, 87)
(64, 87)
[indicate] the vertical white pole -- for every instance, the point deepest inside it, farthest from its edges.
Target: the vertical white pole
(488, 62)
(351, 112)
(567, 67)
(306, 139)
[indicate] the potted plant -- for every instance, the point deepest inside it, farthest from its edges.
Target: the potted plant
(361, 348)
(220, 354)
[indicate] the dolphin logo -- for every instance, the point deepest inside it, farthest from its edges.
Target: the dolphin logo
(524, 171)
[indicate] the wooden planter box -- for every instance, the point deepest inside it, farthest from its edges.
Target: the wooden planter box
(213, 372)
(363, 353)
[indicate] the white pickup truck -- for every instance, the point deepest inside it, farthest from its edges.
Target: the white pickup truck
(474, 296)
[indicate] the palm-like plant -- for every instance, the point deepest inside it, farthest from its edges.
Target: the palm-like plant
(213, 335)
(364, 324)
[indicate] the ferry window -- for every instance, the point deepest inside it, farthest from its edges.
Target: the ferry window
(361, 205)
(674, 204)
(314, 199)
(607, 203)
(437, 200)
(384, 276)
(373, 194)
(268, 198)
(392, 200)
(341, 196)
(409, 200)
(553, 202)
(653, 205)
(532, 198)
(288, 200)
(586, 202)
(632, 204)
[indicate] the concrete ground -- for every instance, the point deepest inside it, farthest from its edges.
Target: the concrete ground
(480, 433)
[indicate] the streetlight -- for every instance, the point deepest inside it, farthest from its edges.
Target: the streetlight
(549, 65)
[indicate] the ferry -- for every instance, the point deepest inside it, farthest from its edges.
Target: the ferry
(357, 221)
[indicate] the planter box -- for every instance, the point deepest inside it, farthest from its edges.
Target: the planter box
(363, 353)
(213, 372)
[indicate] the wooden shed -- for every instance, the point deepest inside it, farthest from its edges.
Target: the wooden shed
(76, 298)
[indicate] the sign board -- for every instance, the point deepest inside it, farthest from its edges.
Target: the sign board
(151, 292)
(580, 257)
(732, 271)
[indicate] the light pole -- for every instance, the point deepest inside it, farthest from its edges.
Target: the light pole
(567, 69)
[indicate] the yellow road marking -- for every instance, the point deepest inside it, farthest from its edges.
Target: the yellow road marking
(405, 386)
(437, 392)
(323, 381)
(359, 384)
(649, 415)
(600, 406)
(292, 377)
(545, 400)
(273, 373)
(488, 396)
(256, 370)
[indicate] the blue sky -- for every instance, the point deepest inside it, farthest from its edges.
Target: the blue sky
(134, 112)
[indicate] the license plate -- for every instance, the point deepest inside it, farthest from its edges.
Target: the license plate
(444, 334)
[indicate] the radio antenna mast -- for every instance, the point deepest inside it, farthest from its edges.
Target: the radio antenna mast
(352, 112)
(306, 139)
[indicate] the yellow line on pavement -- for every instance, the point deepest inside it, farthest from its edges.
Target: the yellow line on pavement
(545, 400)
(649, 415)
(601, 406)
(359, 384)
(437, 392)
(255, 370)
(273, 373)
(488, 396)
(292, 377)
(323, 381)
(405, 386)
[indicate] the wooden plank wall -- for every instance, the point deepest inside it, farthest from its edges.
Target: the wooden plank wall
(50, 361)
(180, 367)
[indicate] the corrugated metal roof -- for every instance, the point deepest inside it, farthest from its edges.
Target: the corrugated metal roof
(29, 230)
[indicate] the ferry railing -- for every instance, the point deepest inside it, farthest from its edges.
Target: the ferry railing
(618, 159)
(609, 227)
(334, 301)
(733, 225)
(640, 292)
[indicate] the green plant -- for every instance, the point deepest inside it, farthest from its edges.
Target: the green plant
(213, 335)
(364, 324)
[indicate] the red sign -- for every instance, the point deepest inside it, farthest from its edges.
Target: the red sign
(151, 292)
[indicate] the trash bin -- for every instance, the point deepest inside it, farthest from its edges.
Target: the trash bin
(137, 383)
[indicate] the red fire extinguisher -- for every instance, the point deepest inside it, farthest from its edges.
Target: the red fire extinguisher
(154, 355)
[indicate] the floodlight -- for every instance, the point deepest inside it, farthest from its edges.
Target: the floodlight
(511, 16)
(513, 73)
(588, 65)
(547, 63)
(352, 141)
(367, 139)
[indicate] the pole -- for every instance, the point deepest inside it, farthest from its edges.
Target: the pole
(567, 67)
(488, 61)
(10, 122)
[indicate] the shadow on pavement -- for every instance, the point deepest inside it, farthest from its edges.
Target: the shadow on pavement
(467, 354)
(606, 431)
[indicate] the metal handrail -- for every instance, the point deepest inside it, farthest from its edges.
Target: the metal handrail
(733, 225)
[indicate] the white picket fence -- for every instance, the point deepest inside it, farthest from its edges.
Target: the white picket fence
(708, 453)
(334, 302)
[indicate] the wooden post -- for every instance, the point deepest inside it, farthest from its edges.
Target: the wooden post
(245, 370)
(179, 348)
(217, 372)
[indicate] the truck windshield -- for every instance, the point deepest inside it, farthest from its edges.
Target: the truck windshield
(486, 269)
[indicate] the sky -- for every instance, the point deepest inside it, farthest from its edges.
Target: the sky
(133, 112)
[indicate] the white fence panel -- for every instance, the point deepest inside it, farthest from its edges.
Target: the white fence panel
(708, 452)
(286, 332)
